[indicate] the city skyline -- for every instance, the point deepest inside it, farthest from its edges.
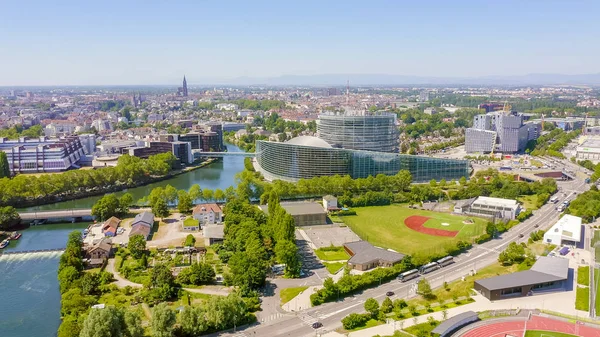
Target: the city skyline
(134, 43)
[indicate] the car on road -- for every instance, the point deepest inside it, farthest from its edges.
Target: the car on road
(521, 235)
(536, 226)
(317, 325)
(389, 293)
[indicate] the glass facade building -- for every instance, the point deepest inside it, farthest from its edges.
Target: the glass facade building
(376, 132)
(307, 157)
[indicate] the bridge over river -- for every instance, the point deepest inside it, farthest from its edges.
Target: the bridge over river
(75, 214)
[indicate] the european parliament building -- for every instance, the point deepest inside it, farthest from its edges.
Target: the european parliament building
(377, 132)
(306, 157)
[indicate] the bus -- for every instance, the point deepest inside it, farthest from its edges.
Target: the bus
(408, 275)
(505, 168)
(445, 261)
(554, 199)
(429, 267)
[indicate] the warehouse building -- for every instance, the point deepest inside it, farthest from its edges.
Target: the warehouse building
(547, 274)
(589, 150)
(304, 213)
(365, 256)
(566, 231)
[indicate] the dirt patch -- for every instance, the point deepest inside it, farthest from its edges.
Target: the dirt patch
(416, 222)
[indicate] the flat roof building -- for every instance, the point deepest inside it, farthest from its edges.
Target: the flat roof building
(365, 256)
(589, 150)
(31, 155)
(489, 207)
(547, 274)
(566, 231)
(304, 213)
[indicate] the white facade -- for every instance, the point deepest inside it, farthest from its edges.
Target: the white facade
(567, 230)
(589, 150)
(488, 206)
(208, 214)
(329, 202)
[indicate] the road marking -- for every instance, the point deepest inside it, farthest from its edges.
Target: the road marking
(341, 310)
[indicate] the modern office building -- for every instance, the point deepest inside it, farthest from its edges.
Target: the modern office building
(566, 231)
(42, 154)
(589, 150)
(181, 150)
(500, 131)
(377, 132)
(306, 157)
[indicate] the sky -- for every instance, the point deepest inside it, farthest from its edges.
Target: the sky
(157, 42)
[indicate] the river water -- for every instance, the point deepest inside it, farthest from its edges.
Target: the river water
(29, 295)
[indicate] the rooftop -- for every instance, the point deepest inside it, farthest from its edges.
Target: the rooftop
(568, 226)
(453, 321)
(496, 202)
(365, 252)
(545, 269)
(144, 218)
(309, 141)
(214, 231)
(205, 208)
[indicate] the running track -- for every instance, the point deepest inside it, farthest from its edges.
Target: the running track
(535, 323)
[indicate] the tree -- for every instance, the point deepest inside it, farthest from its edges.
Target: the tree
(190, 241)
(137, 246)
(69, 327)
(424, 289)
(163, 321)
(192, 321)
(107, 322)
(125, 201)
(160, 208)
(106, 207)
(514, 253)
(66, 277)
(207, 194)
(184, 202)
(133, 324)
(4, 168)
(170, 194)
(462, 181)
(219, 194)
(372, 307)
(287, 253)
(432, 183)
(195, 192)
(197, 274)
(354, 320)
(162, 281)
(387, 305)
(8, 216)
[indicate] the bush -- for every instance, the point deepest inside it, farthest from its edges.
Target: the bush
(524, 215)
(354, 321)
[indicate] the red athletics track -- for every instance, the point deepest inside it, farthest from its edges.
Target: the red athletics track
(416, 222)
(535, 323)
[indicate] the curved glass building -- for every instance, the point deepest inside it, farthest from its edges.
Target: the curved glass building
(307, 157)
(376, 132)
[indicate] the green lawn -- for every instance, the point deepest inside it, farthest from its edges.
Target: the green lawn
(370, 323)
(287, 294)
(332, 254)
(189, 222)
(384, 226)
(582, 299)
(540, 333)
(423, 329)
(333, 267)
(583, 276)
(596, 275)
(528, 201)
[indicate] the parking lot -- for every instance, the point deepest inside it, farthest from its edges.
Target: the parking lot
(323, 236)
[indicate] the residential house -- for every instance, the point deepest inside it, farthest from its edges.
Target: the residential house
(142, 224)
(98, 252)
(208, 214)
(110, 226)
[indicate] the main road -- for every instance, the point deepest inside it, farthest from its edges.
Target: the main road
(330, 314)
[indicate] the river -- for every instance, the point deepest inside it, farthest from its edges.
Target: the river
(28, 283)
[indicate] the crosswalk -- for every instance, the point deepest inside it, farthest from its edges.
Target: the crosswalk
(308, 319)
(272, 317)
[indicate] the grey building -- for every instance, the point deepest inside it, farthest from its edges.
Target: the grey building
(447, 327)
(31, 155)
(377, 132)
(304, 213)
(365, 256)
(507, 130)
(547, 274)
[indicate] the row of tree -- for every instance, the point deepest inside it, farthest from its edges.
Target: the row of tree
(130, 171)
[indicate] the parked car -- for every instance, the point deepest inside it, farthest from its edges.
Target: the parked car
(389, 293)
(317, 325)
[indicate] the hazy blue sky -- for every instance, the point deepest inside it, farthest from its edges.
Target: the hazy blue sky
(156, 42)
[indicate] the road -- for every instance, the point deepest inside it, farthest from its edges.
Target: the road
(330, 314)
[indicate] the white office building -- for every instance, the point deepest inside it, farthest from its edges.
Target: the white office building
(566, 231)
(489, 207)
(589, 150)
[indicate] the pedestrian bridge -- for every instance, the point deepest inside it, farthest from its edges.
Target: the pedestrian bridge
(45, 215)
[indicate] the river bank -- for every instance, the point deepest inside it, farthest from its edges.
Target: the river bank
(112, 189)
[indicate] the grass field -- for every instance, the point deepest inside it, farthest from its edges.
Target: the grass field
(582, 298)
(332, 254)
(528, 201)
(333, 267)
(538, 333)
(384, 226)
(287, 294)
(583, 276)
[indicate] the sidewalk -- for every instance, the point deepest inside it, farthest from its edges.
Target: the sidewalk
(302, 301)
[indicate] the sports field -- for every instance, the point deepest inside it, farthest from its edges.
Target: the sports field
(384, 226)
(538, 333)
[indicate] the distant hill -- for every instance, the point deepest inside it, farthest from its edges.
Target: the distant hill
(383, 79)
